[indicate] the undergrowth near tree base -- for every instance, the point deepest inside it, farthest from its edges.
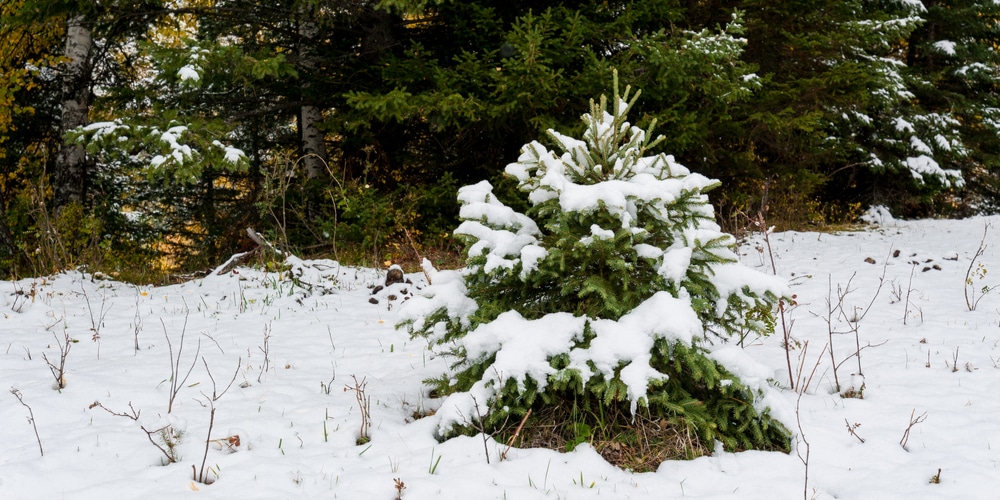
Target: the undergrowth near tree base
(637, 444)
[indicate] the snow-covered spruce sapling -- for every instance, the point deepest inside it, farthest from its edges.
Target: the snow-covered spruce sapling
(613, 296)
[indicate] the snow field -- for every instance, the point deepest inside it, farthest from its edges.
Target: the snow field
(298, 426)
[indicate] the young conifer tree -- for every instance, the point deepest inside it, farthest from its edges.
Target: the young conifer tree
(615, 293)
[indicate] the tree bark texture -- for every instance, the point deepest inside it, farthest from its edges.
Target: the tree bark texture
(312, 139)
(71, 162)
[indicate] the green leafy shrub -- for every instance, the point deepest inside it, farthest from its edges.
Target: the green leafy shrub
(615, 293)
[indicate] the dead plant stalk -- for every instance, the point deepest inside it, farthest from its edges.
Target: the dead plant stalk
(837, 312)
(31, 418)
(59, 371)
(801, 436)
(176, 382)
(364, 405)
(971, 301)
(168, 452)
(913, 421)
(199, 475)
(786, 325)
(96, 322)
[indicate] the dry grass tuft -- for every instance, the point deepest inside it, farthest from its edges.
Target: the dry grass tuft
(639, 444)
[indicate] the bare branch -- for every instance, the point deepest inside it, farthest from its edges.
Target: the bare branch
(913, 421)
(31, 418)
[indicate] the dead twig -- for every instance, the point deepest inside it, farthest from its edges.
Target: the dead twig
(971, 301)
(913, 421)
(517, 432)
(59, 372)
(169, 436)
(852, 429)
(176, 383)
(200, 475)
(364, 404)
(31, 418)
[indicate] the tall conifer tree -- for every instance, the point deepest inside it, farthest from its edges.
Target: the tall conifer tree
(955, 63)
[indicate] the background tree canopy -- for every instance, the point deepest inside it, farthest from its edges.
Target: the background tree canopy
(141, 137)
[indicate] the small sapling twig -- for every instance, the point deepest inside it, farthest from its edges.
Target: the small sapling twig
(176, 382)
(909, 288)
(364, 405)
(801, 436)
(59, 372)
(327, 386)
(786, 324)
(838, 312)
(400, 486)
(852, 429)
(31, 418)
(978, 271)
(96, 322)
(517, 432)
(481, 428)
(200, 475)
(136, 324)
(830, 310)
(266, 349)
(169, 436)
(913, 421)
(856, 319)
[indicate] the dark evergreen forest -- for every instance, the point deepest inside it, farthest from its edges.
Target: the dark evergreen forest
(141, 138)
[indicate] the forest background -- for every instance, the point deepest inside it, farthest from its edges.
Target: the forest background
(141, 138)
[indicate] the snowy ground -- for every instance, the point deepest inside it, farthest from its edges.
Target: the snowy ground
(294, 352)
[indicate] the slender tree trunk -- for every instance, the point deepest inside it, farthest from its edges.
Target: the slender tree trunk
(71, 162)
(312, 139)
(8, 247)
(313, 142)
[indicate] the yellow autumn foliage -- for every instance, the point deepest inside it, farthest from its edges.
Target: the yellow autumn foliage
(24, 50)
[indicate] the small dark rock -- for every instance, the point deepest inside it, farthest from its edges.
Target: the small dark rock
(869, 260)
(395, 275)
(373, 300)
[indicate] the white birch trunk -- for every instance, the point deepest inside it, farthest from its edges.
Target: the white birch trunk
(70, 167)
(312, 139)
